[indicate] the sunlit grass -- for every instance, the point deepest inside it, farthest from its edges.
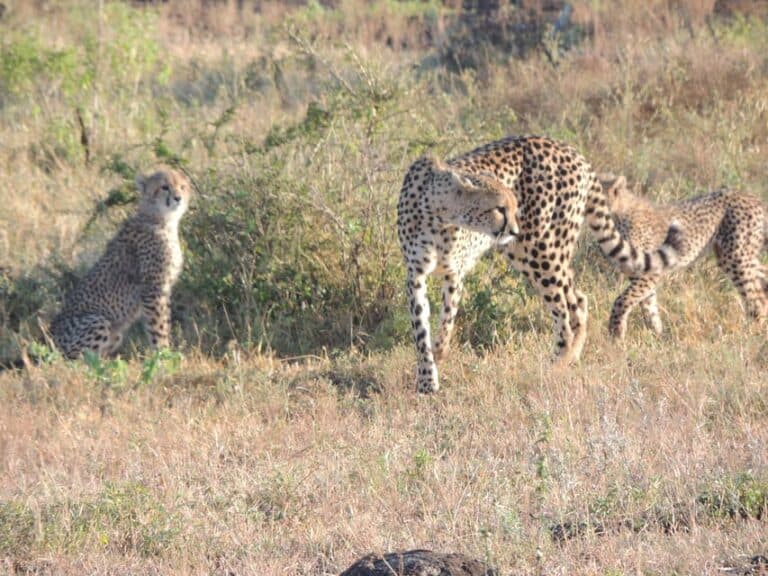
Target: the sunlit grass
(284, 434)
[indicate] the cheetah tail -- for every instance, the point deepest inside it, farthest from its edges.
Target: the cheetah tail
(619, 250)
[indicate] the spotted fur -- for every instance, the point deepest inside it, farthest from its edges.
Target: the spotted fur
(733, 223)
(133, 278)
(555, 189)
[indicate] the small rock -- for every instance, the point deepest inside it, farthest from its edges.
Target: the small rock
(418, 563)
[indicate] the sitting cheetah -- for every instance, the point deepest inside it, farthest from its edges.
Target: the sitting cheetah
(555, 187)
(134, 276)
(734, 223)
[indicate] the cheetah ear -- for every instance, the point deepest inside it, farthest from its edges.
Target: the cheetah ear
(606, 179)
(434, 163)
(612, 184)
(141, 183)
(460, 181)
(619, 186)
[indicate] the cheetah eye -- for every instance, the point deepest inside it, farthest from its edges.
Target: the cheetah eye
(165, 188)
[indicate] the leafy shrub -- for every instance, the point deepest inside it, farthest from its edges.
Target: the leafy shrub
(23, 299)
(264, 266)
(744, 496)
(286, 254)
(26, 64)
(112, 61)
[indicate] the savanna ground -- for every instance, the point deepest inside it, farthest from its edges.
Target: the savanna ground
(283, 435)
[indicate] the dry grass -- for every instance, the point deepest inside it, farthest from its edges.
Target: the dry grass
(261, 467)
(648, 459)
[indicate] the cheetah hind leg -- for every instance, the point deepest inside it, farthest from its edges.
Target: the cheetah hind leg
(751, 283)
(564, 338)
(451, 296)
(91, 332)
(650, 308)
(757, 302)
(762, 296)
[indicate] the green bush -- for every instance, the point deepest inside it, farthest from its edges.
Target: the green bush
(265, 266)
(288, 254)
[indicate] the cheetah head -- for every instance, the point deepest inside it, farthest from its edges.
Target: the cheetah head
(165, 194)
(620, 198)
(478, 202)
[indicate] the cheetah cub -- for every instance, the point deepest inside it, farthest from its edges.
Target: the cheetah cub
(133, 278)
(733, 223)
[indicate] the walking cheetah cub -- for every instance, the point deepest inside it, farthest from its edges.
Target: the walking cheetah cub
(733, 223)
(133, 278)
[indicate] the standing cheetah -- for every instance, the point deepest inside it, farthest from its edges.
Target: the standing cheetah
(555, 188)
(734, 223)
(134, 276)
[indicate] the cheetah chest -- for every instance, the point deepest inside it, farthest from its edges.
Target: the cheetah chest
(175, 257)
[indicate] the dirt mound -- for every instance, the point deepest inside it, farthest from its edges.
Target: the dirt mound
(418, 563)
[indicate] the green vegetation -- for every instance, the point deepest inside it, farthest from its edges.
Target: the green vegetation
(297, 148)
(123, 518)
(282, 434)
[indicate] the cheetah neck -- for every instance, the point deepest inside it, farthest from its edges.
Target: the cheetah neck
(171, 225)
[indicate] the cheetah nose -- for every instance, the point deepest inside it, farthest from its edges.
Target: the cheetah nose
(177, 198)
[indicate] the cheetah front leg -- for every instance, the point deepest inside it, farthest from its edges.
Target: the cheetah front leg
(451, 296)
(156, 315)
(418, 306)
